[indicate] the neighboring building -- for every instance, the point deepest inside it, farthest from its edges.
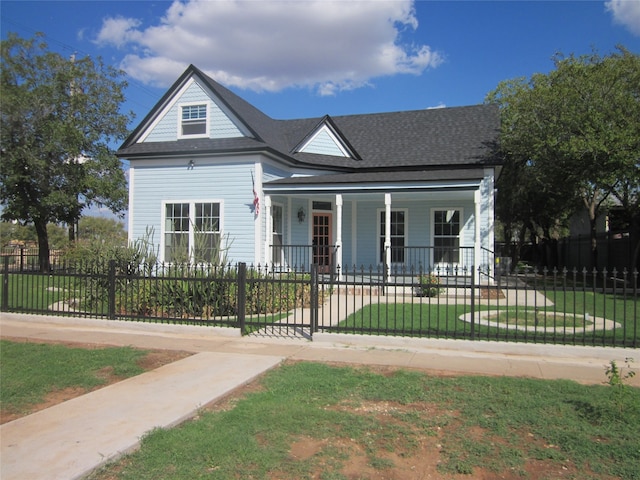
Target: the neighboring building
(412, 188)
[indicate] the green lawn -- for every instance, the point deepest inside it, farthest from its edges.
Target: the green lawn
(38, 291)
(441, 318)
(32, 370)
(311, 420)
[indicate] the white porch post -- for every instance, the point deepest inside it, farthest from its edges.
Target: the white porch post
(339, 234)
(257, 224)
(387, 232)
(477, 250)
(268, 237)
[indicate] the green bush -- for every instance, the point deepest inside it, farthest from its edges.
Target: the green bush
(278, 294)
(206, 292)
(428, 285)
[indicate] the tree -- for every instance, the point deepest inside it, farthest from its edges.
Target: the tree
(571, 139)
(102, 229)
(58, 118)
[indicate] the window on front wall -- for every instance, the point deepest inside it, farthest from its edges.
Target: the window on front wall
(194, 120)
(192, 232)
(446, 236)
(398, 235)
(206, 244)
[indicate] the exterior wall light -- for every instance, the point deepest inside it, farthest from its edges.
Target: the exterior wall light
(301, 215)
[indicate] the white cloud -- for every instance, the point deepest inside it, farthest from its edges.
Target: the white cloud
(118, 31)
(627, 13)
(330, 45)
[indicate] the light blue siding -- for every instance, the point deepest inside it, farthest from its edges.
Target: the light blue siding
(367, 240)
(271, 172)
(229, 183)
(324, 144)
(347, 233)
(220, 125)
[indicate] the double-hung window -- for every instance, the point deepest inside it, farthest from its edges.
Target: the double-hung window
(398, 235)
(446, 237)
(193, 120)
(192, 232)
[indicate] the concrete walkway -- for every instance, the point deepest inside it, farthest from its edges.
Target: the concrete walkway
(71, 439)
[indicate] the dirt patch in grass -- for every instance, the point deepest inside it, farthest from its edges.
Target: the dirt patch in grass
(154, 359)
(416, 455)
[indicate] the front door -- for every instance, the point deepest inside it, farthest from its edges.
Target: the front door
(322, 241)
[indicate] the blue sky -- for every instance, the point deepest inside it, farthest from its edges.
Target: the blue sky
(310, 58)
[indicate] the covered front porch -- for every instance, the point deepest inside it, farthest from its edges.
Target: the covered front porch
(400, 231)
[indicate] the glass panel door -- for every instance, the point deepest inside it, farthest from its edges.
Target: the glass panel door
(322, 241)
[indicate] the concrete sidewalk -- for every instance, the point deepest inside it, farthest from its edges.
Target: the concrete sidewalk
(71, 439)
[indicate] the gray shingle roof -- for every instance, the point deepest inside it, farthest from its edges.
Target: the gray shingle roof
(459, 136)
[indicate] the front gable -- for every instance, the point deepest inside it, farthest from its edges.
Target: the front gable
(326, 139)
(192, 112)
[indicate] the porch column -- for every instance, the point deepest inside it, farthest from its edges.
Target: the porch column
(387, 233)
(258, 239)
(268, 237)
(339, 234)
(477, 250)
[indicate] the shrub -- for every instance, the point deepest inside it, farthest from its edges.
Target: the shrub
(428, 285)
(209, 291)
(268, 294)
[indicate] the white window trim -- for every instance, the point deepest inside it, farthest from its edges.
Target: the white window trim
(432, 228)
(192, 221)
(207, 105)
(380, 233)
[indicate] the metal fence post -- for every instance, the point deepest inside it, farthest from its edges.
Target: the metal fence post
(315, 291)
(473, 304)
(5, 285)
(242, 295)
(111, 279)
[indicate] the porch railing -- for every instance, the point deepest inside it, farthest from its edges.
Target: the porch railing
(301, 257)
(445, 260)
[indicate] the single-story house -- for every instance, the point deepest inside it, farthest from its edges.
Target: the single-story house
(209, 172)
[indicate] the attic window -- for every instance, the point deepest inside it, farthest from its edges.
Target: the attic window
(194, 120)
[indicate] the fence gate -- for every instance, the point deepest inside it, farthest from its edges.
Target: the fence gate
(278, 304)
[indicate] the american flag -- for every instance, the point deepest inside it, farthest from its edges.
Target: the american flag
(256, 199)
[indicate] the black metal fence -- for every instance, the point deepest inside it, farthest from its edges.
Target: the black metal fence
(20, 258)
(577, 307)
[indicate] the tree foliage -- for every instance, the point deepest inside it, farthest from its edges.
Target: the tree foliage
(58, 119)
(571, 141)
